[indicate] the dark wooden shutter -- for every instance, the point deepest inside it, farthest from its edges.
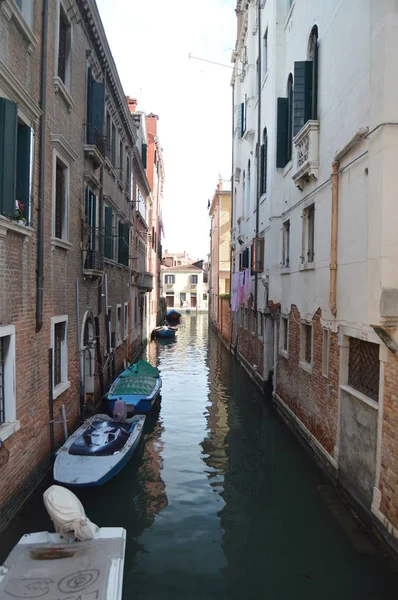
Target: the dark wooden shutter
(244, 119)
(314, 110)
(240, 261)
(144, 153)
(245, 258)
(59, 200)
(89, 116)
(239, 120)
(8, 156)
(281, 136)
(62, 45)
(23, 167)
(302, 97)
(108, 242)
(98, 106)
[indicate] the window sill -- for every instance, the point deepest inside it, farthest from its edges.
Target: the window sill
(360, 396)
(11, 11)
(305, 366)
(7, 429)
(7, 225)
(310, 266)
(61, 88)
(110, 168)
(60, 389)
(284, 353)
(287, 168)
(285, 271)
(58, 243)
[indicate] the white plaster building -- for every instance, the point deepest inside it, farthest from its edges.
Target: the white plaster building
(185, 288)
(315, 147)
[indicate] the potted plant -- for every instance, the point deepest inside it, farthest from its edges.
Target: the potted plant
(19, 213)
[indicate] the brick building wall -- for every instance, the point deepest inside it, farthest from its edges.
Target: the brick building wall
(306, 393)
(246, 339)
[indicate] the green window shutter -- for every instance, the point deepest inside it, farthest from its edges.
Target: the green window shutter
(8, 156)
(120, 244)
(98, 106)
(314, 109)
(281, 135)
(244, 119)
(23, 167)
(126, 244)
(144, 153)
(89, 117)
(108, 245)
(302, 97)
(263, 171)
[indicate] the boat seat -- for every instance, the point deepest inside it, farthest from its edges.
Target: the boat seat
(102, 438)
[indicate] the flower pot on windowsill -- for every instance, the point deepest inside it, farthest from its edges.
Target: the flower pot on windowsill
(21, 222)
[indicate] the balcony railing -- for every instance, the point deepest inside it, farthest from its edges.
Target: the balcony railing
(306, 143)
(169, 286)
(194, 286)
(95, 144)
(93, 259)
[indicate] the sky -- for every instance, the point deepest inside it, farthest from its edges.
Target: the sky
(151, 42)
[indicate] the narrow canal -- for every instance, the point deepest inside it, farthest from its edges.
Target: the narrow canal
(221, 502)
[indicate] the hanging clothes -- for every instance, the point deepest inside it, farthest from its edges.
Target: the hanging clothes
(241, 287)
(246, 286)
(235, 292)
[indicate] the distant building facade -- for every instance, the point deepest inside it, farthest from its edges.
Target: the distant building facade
(185, 287)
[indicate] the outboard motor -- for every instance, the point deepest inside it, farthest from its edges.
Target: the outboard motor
(67, 513)
(120, 410)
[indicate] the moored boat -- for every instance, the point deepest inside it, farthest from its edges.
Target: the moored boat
(173, 315)
(138, 386)
(164, 332)
(92, 557)
(97, 451)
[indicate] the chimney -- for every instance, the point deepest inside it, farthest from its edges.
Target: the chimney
(219, 186)
(132, 104)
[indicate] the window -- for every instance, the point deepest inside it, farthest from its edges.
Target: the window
(108, 134)
(183, 296)
(265, 52)
(205, 277)
(126, 320)
(16, 144)
(245, 258)
(193, 300)
(128, 175)
(247, 199)
(313, 57)
(92, 257)
(60, 199)
(113, 145)
(25, 6)
(205, 297)
(263, 161)
(169, 279)
(109, 221)
(242, 116)
(364, 367)
(306, 343)
(194, 279)
(144, 152)
(286, 245)
(257, 255)
(325, 352)
(95, 112)
(284, 334)
(64, 48)
(308, 234)
(124, 243)
(118, 324)
(284, 141)
(121, 160)
(169, 300)
(59, 345)
(8, 423)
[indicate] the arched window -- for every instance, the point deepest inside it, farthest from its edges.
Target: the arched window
(263, 163)
(247, 211)
(313, 57)
(289, 117)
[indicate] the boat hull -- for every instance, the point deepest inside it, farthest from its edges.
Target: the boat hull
(137, 403)
(67, 577)
(164, 333)
(75, 470)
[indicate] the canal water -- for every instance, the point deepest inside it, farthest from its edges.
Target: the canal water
(221, 502)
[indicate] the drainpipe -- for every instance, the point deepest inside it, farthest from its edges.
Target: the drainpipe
(231, 252)
(42, 152)
(258, 147)
(360, 135)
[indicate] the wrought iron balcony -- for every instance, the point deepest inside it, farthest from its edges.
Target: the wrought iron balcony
(93, 263)
(145, 281)
(306, 143)
(95, 145)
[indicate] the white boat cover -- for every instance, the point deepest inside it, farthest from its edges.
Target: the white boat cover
(67, 513)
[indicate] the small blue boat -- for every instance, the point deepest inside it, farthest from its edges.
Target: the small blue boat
(173, 315)
(165, 332)
(138, 386)
(97, 451)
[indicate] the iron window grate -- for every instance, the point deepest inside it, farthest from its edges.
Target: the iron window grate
(364, 367)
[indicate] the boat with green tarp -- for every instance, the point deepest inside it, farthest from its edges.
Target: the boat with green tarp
(138, 386)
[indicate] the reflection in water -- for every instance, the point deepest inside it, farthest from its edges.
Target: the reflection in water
(220, 501)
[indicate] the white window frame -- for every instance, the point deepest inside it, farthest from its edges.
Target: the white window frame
(307, 366)
(284, 326)
(65, 85)
(325, 351)
(65, 234)
(10, 406)
(126, 320)
(65, 383)
(27, 11)
(118, 325)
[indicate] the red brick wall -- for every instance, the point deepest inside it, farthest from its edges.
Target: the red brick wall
(389, 448)
(249, 346)
(306, 393)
